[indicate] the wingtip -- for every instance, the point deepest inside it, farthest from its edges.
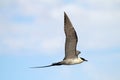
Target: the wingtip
(65, 17)
(65, 14)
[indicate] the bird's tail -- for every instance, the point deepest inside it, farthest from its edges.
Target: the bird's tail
(54, 64)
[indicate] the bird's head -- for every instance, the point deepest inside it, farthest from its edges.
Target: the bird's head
(78, 52)
(83, 59)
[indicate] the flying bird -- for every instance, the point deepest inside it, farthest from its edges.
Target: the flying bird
(71, 53)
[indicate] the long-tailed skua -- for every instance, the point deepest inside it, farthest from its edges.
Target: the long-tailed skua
(71, 53)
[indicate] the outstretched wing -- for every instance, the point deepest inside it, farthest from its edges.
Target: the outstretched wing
(71, 38)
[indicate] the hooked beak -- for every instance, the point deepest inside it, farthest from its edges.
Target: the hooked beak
(86, 60)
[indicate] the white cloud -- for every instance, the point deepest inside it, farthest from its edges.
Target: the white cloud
(101, 4)
(52, 43)
(97, 28)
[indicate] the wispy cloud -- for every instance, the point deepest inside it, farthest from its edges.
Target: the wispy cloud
(38, 24)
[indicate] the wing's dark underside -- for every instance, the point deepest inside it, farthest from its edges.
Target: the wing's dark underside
(71, 38)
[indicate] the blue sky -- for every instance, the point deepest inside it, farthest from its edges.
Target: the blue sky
(32, 34)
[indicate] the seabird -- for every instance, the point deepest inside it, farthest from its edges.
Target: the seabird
(71, 53)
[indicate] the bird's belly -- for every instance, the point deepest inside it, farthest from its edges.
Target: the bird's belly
(72, 61)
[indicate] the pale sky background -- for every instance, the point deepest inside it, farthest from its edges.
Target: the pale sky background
(32, 34)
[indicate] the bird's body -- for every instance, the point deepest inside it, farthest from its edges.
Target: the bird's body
(72, 61)
(71, 53)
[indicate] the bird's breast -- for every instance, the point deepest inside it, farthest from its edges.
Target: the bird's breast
(72, 61)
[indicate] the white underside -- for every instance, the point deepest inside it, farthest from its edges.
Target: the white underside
(72, 61)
